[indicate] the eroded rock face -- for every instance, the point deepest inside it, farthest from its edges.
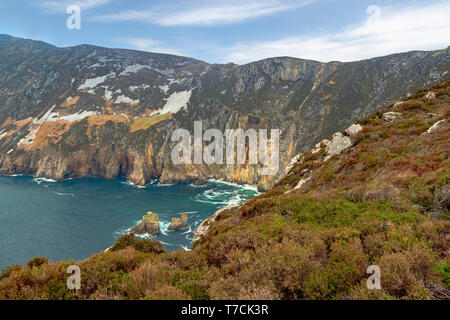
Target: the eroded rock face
(148, 225)
(179, 223)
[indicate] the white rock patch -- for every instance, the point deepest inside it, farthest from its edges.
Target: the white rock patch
(92, 83)
(164, 88)
(124, 99)
(134, 68)
(134, 88)
(437, 125)
(176, 102)
(78, 116)
(338, 144)
(353, 129)
(3, 134)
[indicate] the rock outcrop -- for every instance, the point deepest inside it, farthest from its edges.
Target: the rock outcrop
(391, 116)
(179, 223)
(353, 129)
(203, 228)
(148, 225)
(439, 124)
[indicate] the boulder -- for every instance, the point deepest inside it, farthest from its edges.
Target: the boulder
(179, 223)
(353, 129)
(149, 224)
(338, 144)
(391, 116)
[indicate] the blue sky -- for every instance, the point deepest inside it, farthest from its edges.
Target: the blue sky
(239, 31)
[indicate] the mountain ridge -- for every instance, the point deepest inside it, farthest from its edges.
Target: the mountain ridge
(98, 94)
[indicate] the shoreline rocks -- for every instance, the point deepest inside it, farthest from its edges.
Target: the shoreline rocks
(149, 224)
(179, 223)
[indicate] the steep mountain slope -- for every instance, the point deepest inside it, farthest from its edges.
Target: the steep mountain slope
(378, 194)
(91, 111)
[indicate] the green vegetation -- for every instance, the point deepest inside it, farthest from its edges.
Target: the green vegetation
(383, 202)
(146, 122)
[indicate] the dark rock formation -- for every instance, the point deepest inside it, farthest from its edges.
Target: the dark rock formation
(149, 225)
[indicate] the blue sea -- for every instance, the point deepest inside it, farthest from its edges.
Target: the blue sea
(76, 218)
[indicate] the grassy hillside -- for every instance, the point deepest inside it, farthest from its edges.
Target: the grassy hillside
(385, 201)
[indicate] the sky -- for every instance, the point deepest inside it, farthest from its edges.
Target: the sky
(238, 31)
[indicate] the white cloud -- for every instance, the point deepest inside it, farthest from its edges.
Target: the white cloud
(232, 12)
(146, 44)
(61, 6)
(387, 30)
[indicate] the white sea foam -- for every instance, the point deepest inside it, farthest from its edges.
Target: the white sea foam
(131, 184)
(64, 194)
(40, 180)
(163, 227)
(194, 186)
(242, 186)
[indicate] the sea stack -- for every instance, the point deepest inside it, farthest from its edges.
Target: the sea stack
(179, 223)
(149, 224)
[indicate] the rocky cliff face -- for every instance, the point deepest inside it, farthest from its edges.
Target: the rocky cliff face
(91, 111)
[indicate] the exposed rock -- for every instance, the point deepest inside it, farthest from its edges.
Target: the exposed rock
(203, 228)
(338, 144)
(179, 223)
(391, 116)
(199, 182)
(293, 161)
(353, 129)
(440, 124)
(318, 146)
(149, 225)
(430, 97)
(302, 181)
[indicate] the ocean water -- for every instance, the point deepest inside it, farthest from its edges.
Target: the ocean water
(77, 218)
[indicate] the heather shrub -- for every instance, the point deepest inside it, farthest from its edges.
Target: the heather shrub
(406, 274)
(143, 281)
(8, 270)
(109, 268)
(275, 270)
(444, 270)
(36, 262)
(345, 268)
(143, 245)
(442, 198)
(166, 293)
